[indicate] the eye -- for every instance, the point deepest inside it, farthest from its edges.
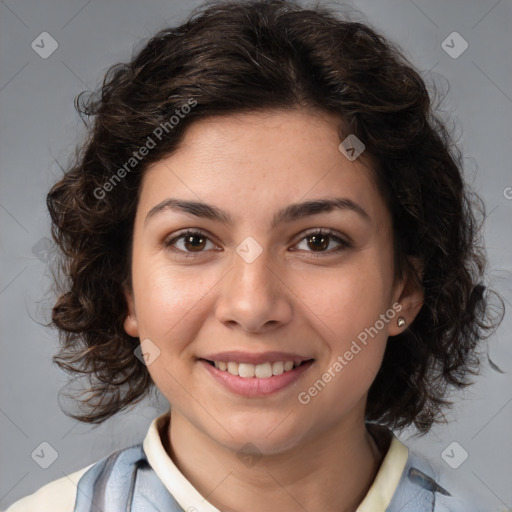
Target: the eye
(320, 240)
(193, 242)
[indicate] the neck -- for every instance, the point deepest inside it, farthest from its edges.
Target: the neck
(312, 476)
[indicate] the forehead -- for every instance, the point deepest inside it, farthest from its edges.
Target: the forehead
(271, 157)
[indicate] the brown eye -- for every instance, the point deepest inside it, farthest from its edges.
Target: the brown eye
(191, 242)
(318, 241)
(194, 242)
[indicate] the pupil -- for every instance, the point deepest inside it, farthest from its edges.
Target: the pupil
(189, 239)
(317, 239)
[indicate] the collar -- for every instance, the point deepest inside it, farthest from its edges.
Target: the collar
(377, 498)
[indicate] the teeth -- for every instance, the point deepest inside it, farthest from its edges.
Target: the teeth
(260, 371)
(233, 368)
(277, 368)
(246, 370)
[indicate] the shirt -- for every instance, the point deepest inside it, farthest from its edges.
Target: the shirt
(143, 478)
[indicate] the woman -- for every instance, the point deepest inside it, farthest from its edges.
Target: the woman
(270, 225)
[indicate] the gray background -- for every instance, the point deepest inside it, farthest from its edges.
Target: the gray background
(39, 128)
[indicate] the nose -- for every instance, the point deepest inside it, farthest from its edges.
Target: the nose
(254, 295)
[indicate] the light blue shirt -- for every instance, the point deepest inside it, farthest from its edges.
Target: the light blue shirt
(124, 481)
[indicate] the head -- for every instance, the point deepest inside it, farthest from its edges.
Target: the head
(243, 107)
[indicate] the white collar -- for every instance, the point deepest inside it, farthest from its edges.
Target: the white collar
(377, 498)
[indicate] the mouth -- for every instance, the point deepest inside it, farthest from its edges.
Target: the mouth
(262, 371)
(256, 381)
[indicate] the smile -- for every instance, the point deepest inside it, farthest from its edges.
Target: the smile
(256, 380)
(260, 371)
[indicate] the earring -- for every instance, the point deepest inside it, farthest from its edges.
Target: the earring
(401, 321)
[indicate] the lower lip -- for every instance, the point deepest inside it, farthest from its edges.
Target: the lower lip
(254, 386)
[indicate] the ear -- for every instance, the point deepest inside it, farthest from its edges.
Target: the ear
(131, 326)
(410, 294)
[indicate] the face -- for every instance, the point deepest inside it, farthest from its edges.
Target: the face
(254, 284)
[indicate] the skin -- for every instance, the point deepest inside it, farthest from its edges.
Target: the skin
(317, 456)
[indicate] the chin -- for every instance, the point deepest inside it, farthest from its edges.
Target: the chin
(260, 438)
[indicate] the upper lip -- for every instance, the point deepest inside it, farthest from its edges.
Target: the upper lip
(251, 358)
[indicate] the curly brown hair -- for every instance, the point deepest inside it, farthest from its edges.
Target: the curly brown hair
(250, 56)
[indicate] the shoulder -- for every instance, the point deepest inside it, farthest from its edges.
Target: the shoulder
(409, 482)
(424, 486)
(56, 496)
(61, 495)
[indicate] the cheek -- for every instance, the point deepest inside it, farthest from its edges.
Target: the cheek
(346, 302)
(355, 339)
(170, 305)
(167, 300)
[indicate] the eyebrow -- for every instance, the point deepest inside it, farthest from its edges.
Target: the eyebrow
(290, 213)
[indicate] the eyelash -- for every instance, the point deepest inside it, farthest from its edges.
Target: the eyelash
(326, 232)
